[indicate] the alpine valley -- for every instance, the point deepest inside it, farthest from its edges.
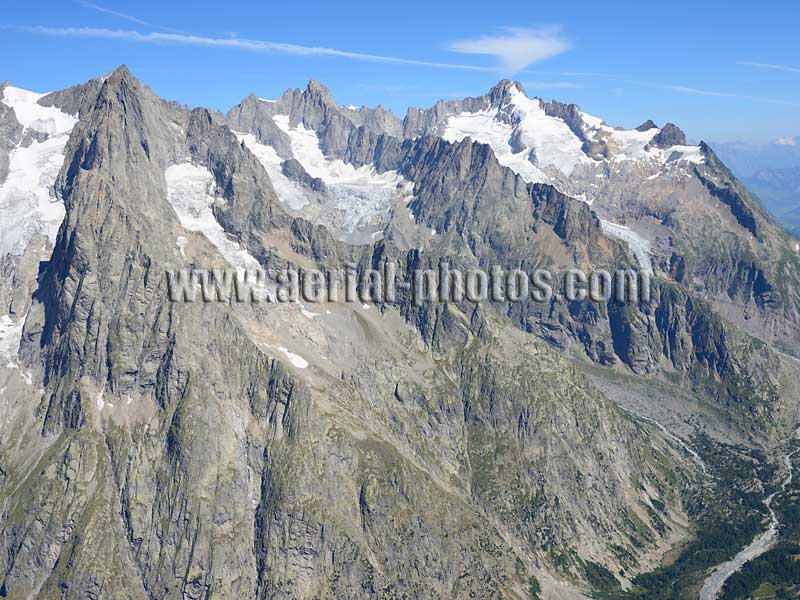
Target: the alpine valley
(152, 449)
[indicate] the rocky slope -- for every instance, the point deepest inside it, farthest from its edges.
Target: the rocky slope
(160, 449)
(699, 225)
(688, 220)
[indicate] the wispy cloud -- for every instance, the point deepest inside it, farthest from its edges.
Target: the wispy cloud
(114, 13)
(697, 92)
(778, 101)
(236, 43)
(124, 16)
(571, 74)
(515, 47)
(550, 85)
(760, 99)
(774, 67)
(682, 89)
(786, 141)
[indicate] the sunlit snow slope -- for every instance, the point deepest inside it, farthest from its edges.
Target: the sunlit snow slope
(27, 203)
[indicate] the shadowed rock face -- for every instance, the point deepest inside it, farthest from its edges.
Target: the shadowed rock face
(169, 449)
(10, 131)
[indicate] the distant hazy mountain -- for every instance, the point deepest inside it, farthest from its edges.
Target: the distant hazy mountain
(772, 172)
(779, 189)
(747, 159)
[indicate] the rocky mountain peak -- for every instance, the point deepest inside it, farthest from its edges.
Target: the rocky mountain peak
(120, 84)
(670, 135)
(503, 90)
(316, 90)
(647, 126)
(251, 98)
(122, 72)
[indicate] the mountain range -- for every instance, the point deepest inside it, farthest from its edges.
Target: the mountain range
(158, 449)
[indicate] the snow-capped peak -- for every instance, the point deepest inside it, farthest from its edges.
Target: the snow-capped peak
(546, 142)
(500, 93)
(523, 136)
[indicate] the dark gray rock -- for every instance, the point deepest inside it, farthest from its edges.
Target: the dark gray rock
(295, 171)
(10, 131)
(670, 135)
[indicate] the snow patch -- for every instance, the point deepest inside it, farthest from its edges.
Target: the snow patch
(288, 191)
(10, 336)
(550, 138)
(305, 148)
(691, 154)
(45, 119)
(361, 194)
(591, 121)
(638, 245)
(296, 360)
(189, 190)
(631, 144)
(531, 141)
(483, 127)
(26, 205)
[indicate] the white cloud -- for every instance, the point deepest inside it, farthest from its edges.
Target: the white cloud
(786, 141)
(696, 92)
(778, 101)
(237, 43)
(516, 47)
(570, 74)
(114, 13)
(682, 89)
(550, 85)
(123, 16)
(774, 67)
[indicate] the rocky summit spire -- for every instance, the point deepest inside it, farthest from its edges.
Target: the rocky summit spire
(316, 90)
(670, 135)
(647, 126)
(503, 89)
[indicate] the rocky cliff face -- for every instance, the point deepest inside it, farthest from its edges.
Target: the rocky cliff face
(680, 200)
(159, 449)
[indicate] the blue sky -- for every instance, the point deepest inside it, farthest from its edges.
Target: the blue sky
(722, 71)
